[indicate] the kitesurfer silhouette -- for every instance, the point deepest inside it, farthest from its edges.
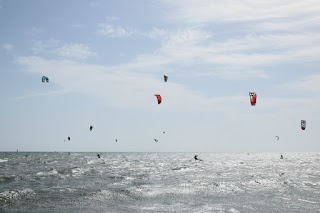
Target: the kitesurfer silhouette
(281, 157)
(196, 158)
(98, 155)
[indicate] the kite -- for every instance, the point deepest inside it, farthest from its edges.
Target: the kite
(165, 78)
(303, 124)
(45, 79)
(253, 98)
(158, 98)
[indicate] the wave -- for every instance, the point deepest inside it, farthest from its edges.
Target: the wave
(16, 196)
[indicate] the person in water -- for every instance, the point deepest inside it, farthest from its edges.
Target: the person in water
(98, 155)
(196, 158)
(281, 157)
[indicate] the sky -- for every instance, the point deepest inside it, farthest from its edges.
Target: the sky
(105, 61)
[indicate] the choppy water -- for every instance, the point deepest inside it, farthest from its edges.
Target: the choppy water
(159, 182)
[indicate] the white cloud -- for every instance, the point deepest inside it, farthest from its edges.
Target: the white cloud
(66, 50)
(207, 11)
(272, 32)
(109, 30)
(74, 51)
(241, 57)
(7, 46)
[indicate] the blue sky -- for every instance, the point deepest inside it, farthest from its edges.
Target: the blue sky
(106, 60)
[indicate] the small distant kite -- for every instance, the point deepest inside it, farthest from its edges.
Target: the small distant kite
(303, 124)
(253, 98)
(158, 98)
(91, 127)
(165, 78)
(116, 140)
(277, 138)
(68, 138)
(156, 140)
(45, 79)
(164, 132)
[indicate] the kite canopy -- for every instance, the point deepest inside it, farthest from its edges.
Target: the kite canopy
(277, 138)
(91, 128)
(303, 124)
(253, 98)
(165, 78)
(158, 98)
(45, 79)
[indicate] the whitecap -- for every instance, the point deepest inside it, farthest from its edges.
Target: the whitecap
(16, 195)
(3, 160)
(308, 201)
(233, 210)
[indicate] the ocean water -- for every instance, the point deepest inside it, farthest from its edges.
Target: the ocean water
(159, 182)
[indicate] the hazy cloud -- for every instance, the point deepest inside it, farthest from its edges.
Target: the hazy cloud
(102, 82)
(110, 30)
(307, 84)
(156, 33)
(7, 46)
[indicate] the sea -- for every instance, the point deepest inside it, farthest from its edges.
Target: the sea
(159, 182)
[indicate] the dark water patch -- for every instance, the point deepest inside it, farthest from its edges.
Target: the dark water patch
(7, 179)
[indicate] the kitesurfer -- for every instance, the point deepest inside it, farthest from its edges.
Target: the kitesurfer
(98, 155)
(196, 158)
(91, 128)
(156, 140)
(281, 157)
